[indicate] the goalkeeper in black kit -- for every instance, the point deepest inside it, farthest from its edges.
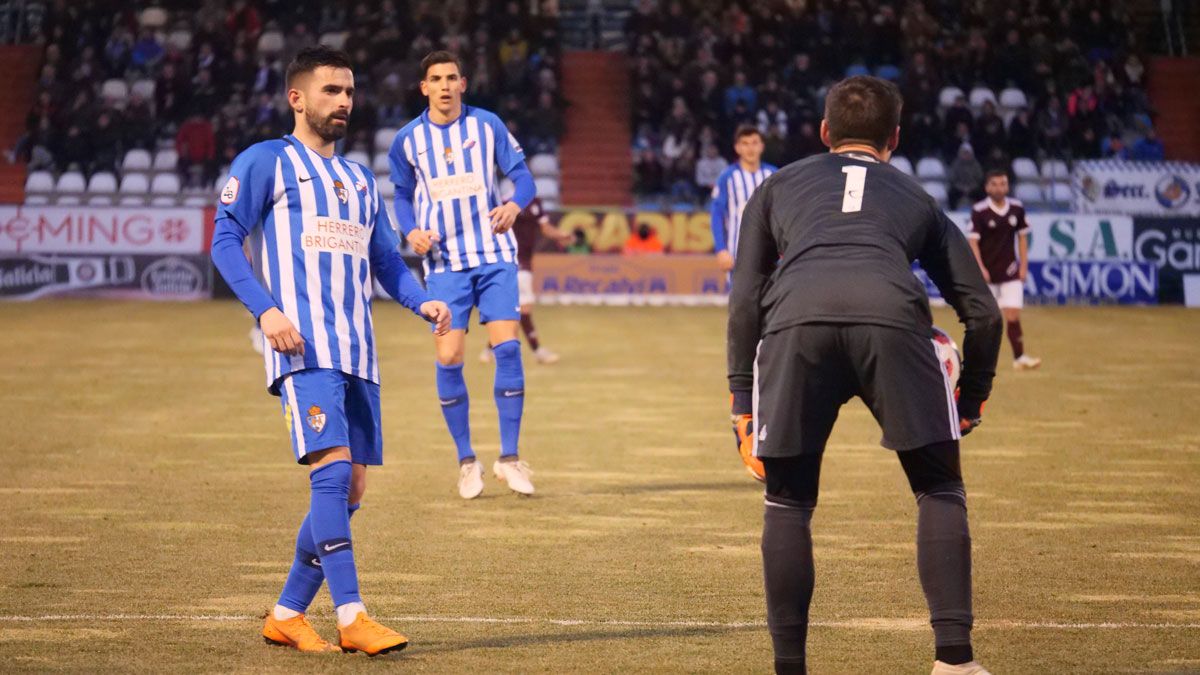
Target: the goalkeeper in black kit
(825, 307)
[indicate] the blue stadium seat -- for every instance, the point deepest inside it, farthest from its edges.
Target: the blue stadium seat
(901, 162)
(888, 72)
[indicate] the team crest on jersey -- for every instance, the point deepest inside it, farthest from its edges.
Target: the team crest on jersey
(448, 155)
(316, 419)
(229, 193)
(469, 144)
(1012, 220)
(343, 194)
(991, 222)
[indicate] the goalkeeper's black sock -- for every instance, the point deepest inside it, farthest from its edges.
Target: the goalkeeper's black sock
(788, 573)
(1016, 339)
(944, 566)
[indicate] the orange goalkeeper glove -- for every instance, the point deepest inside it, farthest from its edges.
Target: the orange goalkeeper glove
(743, 431)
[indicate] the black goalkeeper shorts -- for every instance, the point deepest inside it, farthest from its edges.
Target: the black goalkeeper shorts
(803, 375)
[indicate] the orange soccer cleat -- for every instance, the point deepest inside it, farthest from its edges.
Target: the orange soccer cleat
(743, 428)
(295, 632)
(370, 637)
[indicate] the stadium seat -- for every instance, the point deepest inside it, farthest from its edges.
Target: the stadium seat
(387, 189)
(153, 17)
(1055, 169)
(948, 96)
(507, 189)
(937, 190)
(1061, 194)
(384, 138)
(136, 160)
(550, 204)
(39, 182)
(360, 157)
(547, 188)
(100, 200)
(544, 166)
(37, 199)
(114, 91)
(336, 39)
(68, 200)
(144, 88)
(71, 182)
(1029, 193)
(888, 72)
(131, 200)
(380, 165)
(166, 160)
(980, 95)
(102, 183)
(166, 184)
(1013, 99)
(180, 39)
(271, 42)
(1024, 169)
(901, 162)
(856, 70)
(134, 184)
(931, 168)
(197, 201)
(164, 201)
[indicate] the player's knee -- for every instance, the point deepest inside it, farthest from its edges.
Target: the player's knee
(1011, 314)
(450, 355)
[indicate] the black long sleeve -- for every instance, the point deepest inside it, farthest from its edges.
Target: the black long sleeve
(757, 256)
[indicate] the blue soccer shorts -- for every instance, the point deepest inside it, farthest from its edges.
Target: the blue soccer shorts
(491, 287)
(328, 409)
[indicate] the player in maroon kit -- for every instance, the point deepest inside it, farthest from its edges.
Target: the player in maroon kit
(531, 223)
(995, 221)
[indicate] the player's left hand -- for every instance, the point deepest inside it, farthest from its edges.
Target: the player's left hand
(503, 217)
(439, 313)
(970, 413)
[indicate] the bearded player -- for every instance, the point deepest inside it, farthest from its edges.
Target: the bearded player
(995, 223)
(326, 235)
(444, 164)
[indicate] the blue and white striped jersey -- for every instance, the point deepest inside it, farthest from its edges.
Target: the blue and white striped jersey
(451, 171)
(730, 194)
(323, 225)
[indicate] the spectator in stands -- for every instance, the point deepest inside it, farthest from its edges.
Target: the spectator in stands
(146, 52)
(989, 130)
(1113, 147)
(580, 245)
(106, 144)
(196, 145)
(1020, 135)
(965, 177)
(804, 143)
(1149, 148)
(643, 241)
(139, 124)
(740, 92)
(709, 167)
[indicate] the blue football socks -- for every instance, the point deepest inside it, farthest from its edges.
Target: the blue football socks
(306, 576)
(329, 520)
(452, 394)
(510, 394)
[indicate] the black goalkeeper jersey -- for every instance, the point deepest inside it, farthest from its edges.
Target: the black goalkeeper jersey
(831, 239)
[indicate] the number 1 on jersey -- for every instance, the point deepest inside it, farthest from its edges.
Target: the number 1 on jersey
(856, 180)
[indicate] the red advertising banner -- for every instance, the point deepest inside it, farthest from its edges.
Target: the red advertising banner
(28, 230)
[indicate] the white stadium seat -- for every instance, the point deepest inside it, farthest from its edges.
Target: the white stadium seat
(948, 95)
(380, 165)
(153, 17)
(1028, 192)
(136, 160)
(387, 189)
(132, 200)
(143, 88)
(166, 160)
(543, 166)
(980, 95)
(936, 190)
(71, 182)
(1013, 99)
(547, 188)
(1060, 193)
(384, 138)
(37, 199)
(39, 182)
(102, 183)
(360, 157)
(1055, 169)
(901, 162)
(164, 201)
(336, 39)
(114, 91)
(165, 184)
(68, 200)
(100, 200)
(180, 39)
(197, 201)
(134, 184)
(1024, 169)
(270, 42)
(931, 168)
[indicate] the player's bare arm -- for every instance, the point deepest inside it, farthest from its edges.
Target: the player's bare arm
(1022, 254)
(979, 260)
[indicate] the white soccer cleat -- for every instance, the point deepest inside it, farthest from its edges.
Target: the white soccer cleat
(968, 668)
(546, 356)
(470, 480)
(516, 475)
(1026, 362)
(485, 356)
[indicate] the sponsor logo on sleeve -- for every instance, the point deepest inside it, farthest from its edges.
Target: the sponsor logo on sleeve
(229, 193)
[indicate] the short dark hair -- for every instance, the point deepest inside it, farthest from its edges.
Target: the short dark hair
(994, 173)
(863, 108)
(441, 56)
(311, 58)
(746, 130)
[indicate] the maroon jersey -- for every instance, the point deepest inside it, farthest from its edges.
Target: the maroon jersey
(528, 228)
(996, 230)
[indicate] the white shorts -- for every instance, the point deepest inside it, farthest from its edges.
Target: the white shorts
(1010, 294)
(525, 288)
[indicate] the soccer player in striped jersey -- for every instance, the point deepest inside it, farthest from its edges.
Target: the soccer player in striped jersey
(326, 236)
(733, 190)
(444, 166)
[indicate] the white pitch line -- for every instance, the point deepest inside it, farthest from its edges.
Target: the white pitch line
(855, 624)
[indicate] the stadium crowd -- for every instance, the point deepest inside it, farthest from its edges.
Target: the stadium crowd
(983, 82)
(206, 77)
